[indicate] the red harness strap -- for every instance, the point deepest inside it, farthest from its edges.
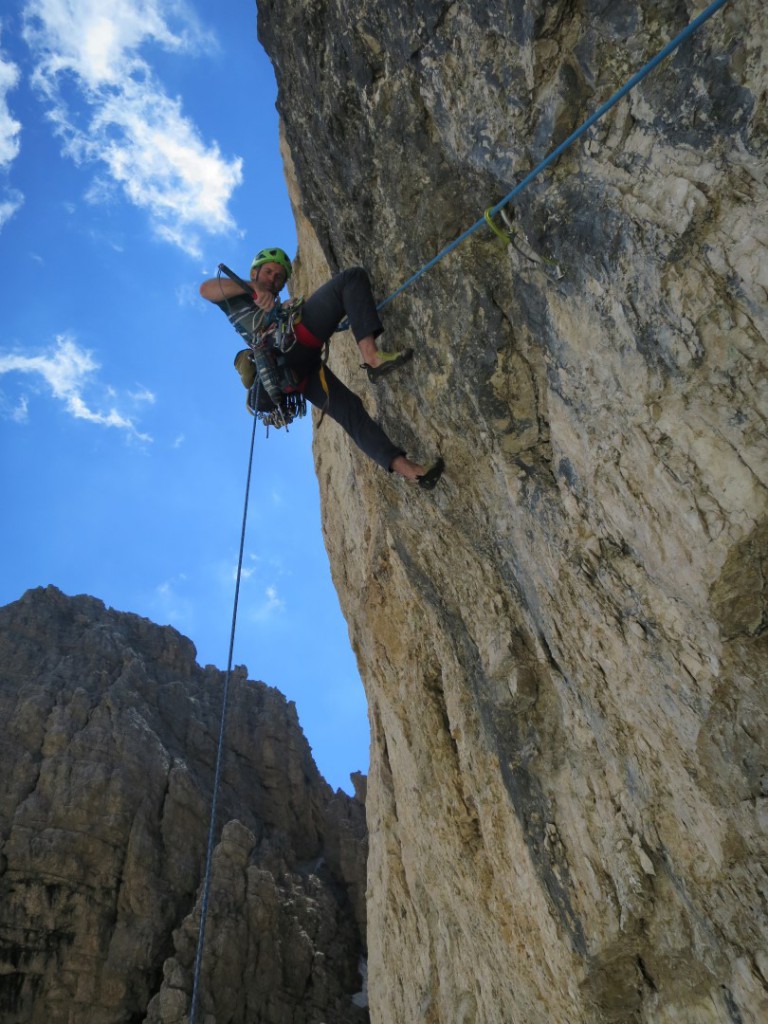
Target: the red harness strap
(305, 337)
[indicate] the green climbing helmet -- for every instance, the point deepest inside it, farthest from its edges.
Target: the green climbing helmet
(273, 256)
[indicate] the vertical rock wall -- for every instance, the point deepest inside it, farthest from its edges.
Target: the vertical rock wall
(564, 647)
(107, 751)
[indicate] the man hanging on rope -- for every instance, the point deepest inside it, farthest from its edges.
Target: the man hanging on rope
(259, 317)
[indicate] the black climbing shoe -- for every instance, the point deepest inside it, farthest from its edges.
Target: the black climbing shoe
(429, 479)
(389, 361)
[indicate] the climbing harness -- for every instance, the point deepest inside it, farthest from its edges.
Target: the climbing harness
(487, 220)
(279, 402)
(275, 401)
(220, 754)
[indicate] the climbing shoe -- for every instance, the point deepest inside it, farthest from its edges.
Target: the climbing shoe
(428, 480)
(389, 361)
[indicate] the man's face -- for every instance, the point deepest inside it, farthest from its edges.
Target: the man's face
(269, 276)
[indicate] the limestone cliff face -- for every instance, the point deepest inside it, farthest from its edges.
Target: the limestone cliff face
(564, 647)
(109, 735)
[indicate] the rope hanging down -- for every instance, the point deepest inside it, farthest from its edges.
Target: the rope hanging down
(600, 112)
(220, 752)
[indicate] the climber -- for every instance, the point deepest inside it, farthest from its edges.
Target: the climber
(311, 323)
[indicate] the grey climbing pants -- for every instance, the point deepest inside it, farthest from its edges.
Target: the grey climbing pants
(347, 294)
(349, 412)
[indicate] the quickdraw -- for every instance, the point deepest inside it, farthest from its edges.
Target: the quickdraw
(287, 316)
(514, 236)
(292, 407)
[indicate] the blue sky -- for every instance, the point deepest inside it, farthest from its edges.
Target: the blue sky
(139, 149)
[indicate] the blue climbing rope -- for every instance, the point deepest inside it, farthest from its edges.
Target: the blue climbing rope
(220, 752)
(633, 81)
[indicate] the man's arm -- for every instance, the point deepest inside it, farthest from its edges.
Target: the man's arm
(217, 289)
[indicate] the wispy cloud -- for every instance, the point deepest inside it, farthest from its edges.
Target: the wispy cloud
(130, 125)
(10, 201)
(10, 128)
(144, 395)
(169, 602)
(67, 371)
(187, 295)
(17, 413)
(270, 606)
(262, 601)
(261, 566)
(10, 138)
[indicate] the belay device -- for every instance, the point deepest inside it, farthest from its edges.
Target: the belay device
(273, 397)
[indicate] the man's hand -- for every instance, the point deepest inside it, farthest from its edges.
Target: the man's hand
(264, 300)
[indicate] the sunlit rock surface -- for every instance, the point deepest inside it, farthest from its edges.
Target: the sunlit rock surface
(107, 749)
(564, 646)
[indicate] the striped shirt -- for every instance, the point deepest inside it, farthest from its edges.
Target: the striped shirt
(249, 321)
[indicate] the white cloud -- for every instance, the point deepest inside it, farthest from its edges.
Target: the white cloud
(10, 128)
(143, 396)
(167, 602)
(150, 149)
(188, 294)
(10, 142)
(16, 413)
(271, 605)
(67, 370)
(10, 202)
